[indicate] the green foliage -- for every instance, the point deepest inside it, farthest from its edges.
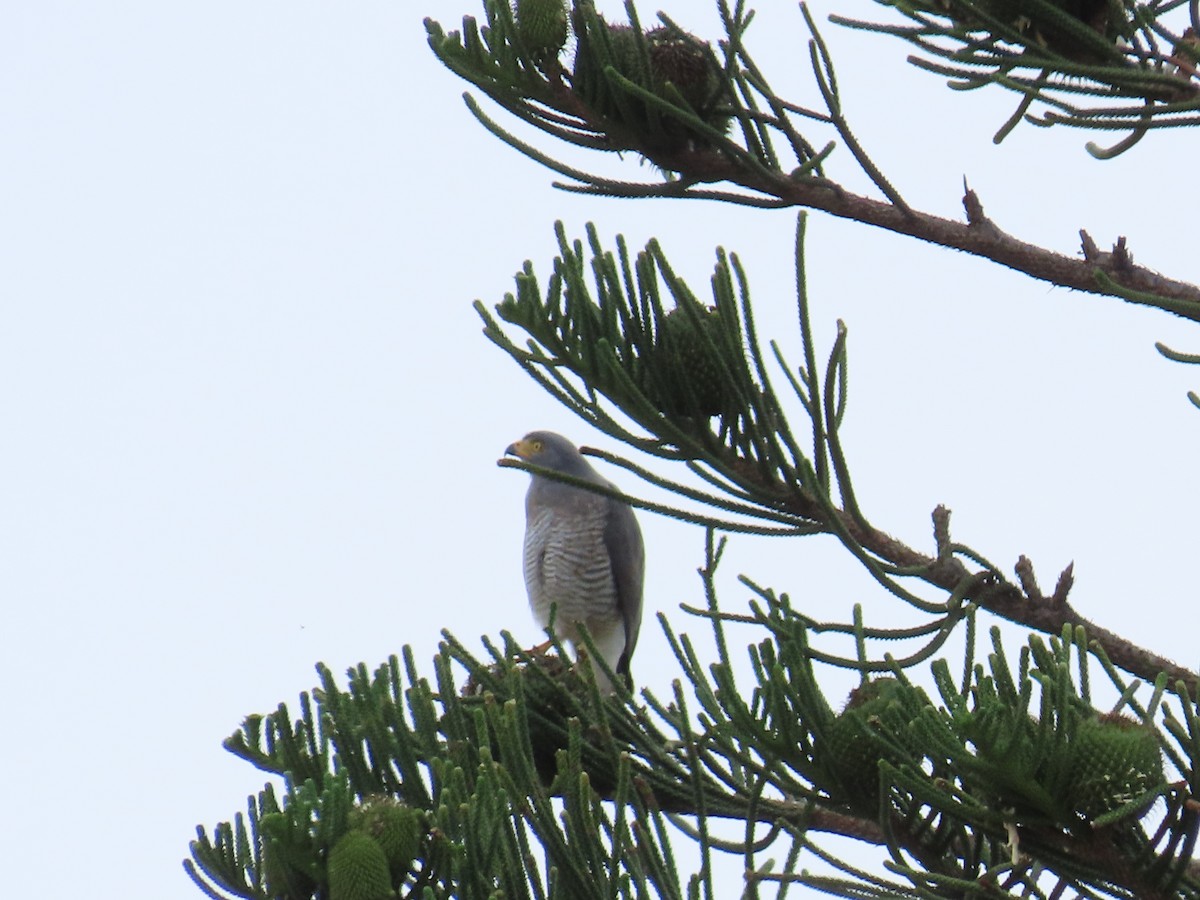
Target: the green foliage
(603, 340)
(447, 792)
(442, 789)
(670, 368)
(1097, 64)
(704, 116)
(1094, 64)
(1010, 780)
(516, 777)
(658, 90)
(294, 839)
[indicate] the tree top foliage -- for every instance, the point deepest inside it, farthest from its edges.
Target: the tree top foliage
(1067, 770)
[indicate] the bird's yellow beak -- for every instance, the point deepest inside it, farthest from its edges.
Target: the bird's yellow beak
(519, 449)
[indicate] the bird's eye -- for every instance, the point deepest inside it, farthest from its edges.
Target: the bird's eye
(536, 446)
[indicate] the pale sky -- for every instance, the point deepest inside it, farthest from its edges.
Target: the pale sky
(251, 422)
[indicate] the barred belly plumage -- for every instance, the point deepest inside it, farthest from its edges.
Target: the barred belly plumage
(567, 563)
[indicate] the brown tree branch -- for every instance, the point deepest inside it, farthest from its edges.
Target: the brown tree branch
(1095, 848)
(977, 235)
(1004, 599)
(948, 572)
(557, 106)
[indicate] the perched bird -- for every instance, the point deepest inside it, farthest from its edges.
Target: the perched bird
(583, 553)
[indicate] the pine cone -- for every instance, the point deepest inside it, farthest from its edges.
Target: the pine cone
(358, 869)
(1117, 760)
(542, 26)
(683, 61)
(852, 749)
(670, 64)
(687, 376)
(397, 827)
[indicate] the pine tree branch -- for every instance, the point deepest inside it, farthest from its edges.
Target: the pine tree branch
(691, 147)
(754, 456)
(977, 235)
(996, 594)
(948, 572)
(1049, 615)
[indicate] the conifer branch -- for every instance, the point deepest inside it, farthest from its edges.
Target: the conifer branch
(517, 776)
(496, 747)
(691, 148)
(746, 453)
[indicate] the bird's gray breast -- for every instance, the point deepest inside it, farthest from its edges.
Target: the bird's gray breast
(566, 559)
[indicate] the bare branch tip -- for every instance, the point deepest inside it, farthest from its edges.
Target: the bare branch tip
(1091, 253)
(1065, 581)
(941, 530)
(1024, 570)
(974, 207)
(1122, 258)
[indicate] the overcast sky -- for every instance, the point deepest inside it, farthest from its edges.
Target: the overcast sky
(250, 422)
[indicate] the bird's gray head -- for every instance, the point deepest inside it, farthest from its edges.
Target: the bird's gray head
(551, 451)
